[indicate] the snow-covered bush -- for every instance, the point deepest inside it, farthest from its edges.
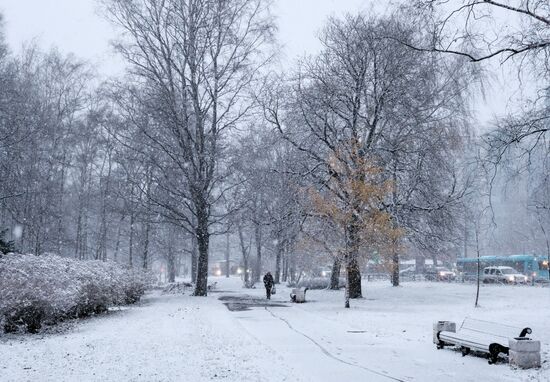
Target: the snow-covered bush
(177, 288)
(316, 283)
(47, 289)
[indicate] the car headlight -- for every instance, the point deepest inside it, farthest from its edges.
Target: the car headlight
(441, 273)
(510, 278)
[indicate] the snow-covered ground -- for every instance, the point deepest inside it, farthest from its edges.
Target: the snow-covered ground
(385, 336)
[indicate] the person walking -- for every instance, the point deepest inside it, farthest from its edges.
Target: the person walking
(268, 283)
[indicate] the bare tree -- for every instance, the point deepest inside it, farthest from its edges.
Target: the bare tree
(401, 108)
(192, 62)
(46, 102)
(478, 31)
(269, 194)
(466, 28)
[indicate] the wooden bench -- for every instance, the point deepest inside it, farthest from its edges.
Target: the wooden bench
(298, 295)
(482, 336)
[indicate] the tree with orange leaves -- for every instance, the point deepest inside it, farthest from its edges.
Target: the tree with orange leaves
(352, 201)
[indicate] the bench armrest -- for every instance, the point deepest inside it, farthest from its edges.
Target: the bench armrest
(525, 332)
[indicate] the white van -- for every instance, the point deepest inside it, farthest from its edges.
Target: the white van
(505, 275)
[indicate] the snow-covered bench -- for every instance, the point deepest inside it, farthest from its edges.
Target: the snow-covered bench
(298, 295)
(482, 336)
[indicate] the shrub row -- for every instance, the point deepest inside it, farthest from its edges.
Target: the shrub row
(37, 290)
(317, 283)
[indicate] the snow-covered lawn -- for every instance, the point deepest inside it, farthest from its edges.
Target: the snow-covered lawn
(386, 336)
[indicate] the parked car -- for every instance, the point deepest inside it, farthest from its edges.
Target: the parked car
(439, 274)
(505, 275)
(408, 272)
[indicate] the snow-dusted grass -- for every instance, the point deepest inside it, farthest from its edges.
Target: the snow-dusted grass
(390, 330)
(46, 289)
(386, 335)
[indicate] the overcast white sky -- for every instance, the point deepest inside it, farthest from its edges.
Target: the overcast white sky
(76, 26)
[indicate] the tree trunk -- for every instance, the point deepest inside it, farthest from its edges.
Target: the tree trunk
(258, 240)
(203, 241)
(335, 275)
(279, 255)
(478, 268)
(118, 235)
(354, 277)
(61, 207)
(246, 273)
(292, 267)
(145, 258)
(465, 239)
(245, 253)
(227, 265)
(85, 214)
(84, 241)
(352, 264)
(285, 264)
(38, 241)
(101, 252)
(78, 244)
(171, 265)
(194, 259)
(131, 241)
(546, 240)
(395, 240)
(395, 269)
(420, 264)
(347, 296)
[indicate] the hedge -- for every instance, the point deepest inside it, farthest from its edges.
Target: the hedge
(37, 290)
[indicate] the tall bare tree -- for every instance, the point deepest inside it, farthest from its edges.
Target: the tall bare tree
(400, 109)
(517, 144)
(191, 63)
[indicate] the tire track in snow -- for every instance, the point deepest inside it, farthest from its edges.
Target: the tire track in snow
(329, 354)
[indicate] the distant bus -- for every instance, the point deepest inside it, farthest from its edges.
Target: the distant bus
(530, 265)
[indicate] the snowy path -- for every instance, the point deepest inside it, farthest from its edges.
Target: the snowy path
(317, 358)
(384, 337)
(167, 338)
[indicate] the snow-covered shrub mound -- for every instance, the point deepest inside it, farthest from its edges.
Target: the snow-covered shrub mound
(47, 289)
(177, 288)
(317, 283)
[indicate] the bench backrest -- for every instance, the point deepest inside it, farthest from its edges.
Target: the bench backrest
(492, 328)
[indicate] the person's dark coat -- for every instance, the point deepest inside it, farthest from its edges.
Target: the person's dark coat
(268, 280)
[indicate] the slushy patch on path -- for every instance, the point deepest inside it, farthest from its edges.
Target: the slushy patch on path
(241, 303)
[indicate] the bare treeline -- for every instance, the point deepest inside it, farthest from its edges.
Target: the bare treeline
(356, 156)
(68, 186)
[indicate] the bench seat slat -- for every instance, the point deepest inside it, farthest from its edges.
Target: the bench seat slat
(469, 344)
(472, 340)
(477, 336)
